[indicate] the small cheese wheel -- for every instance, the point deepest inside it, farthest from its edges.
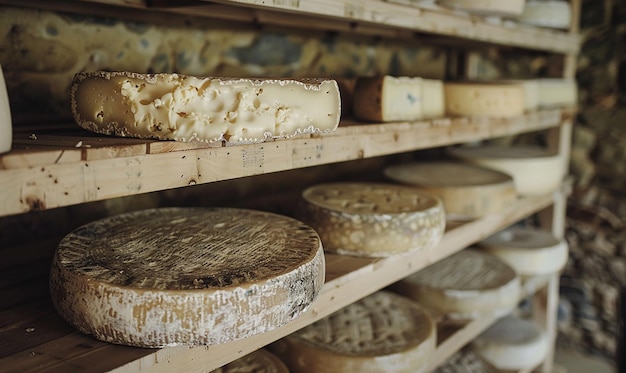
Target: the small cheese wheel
(487, 7)
(464, 286)
(388, 98)
(467, 191)
(433, 99)
(383, 332)
(512, 343)
(556, 92)
(534, 169)
(373, 219)
(259, 361)
(491, 99)
(530, 251)
(186, 276)
(6, 126)
(465, 361)
(547, 13)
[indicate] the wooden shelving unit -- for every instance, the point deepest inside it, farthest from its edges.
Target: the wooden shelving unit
(57, 166)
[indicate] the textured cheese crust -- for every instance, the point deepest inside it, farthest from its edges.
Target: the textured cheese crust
(185, 108)
(530, 251)
(498, 99)
(191, 276)
(467, 191)
(547, 13)
(487, 7)
(6, 125)
(383, 333)
(464, 286)
(387, 98)
(259, 361)
(554, 92)
(371, 219)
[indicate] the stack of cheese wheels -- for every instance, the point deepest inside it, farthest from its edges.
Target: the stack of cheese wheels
(259, 361)
(388, 98)
(556, 92)
(185, 108)
(485, 99)
(467, 191)
(464, 286)
(6, 126)
(530, 251)
(534, 169)
(512, 343)
(186, 276)
(547, 13)
(487, 7)
(373, 219)
(383, 332)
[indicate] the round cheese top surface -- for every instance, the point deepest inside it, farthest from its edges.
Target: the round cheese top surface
(521, 238)
(444, 174)
(259, 361)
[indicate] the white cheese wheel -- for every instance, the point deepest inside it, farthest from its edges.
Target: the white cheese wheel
(465, 361)
(530, 251)
(512, 344)
(555, 92)
(387, 98)
(487, 7)
(6, 126)
(373, 219)
(464, 286)
(491, 99)
(186, 108)
(467, 191)
(259, 361)
(547, 13)
(383, 332)
(186, 276)
(433, 99)
(534, 169)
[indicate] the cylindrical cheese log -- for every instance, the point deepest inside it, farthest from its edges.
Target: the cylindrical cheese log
(487, 7)
(383, 332)
(464, 286)
(534, 169)
(372, 219)
(259, 361)
(530, 251)
(467, 191)
(208, 109)
(388, 98)
(547, 13)
(556, 92)
(489, 99)
(186, 276)
(6, 125)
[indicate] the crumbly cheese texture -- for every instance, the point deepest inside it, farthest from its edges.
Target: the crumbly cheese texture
(464, 286)
(483, 99)
(555, 92)
(547, 13)
(372, 219)
(186, 276)
(259, 361)
(6, 124)
(467, 191)
(388, 98)
(487, 7)
(383, 332)
(207, 109)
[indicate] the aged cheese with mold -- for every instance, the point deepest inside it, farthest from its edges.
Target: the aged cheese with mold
(6, 124)
(388, 98)
(547, 13)
(464, 286)
(467, 191)
(530, 251)
(372, 219)
(489, 99)
(186, 276)
(383, 332)
(208, 109)
(487, 7)
(259, 361)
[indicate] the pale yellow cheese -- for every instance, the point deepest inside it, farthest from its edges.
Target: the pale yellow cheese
(433, 99)
(387, 98)
(186, 276)
(556, 92)
(487, 7)
(547, 13)
(208, 109)
(383, 332)
(259, 361)
(498, 99)
(372, 219)
(6, 125)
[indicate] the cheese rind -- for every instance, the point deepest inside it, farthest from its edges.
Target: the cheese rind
(208, 109)
(259, 361)
(497, 99)
(487, 7)
(547, 13)
(186, 276)
(372, 219)
(387, 98)
(6, 125)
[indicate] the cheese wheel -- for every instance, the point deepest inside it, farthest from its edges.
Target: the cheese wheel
(6, 126)
(186, 108)
(530, 251)
(372, 219)
(467, 191)
(547, 13)
(555, 92)
(433, 99)
(465, 361)
(464, 286)
(383, 332)
(534, 169)
(259, 361)
(186, 276)
(387, 98)
(512, 344)
(487, 7)
(484, 99)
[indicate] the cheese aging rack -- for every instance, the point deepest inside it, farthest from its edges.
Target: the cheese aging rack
(59, 165)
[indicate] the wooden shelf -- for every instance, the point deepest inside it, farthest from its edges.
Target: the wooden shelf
(37, 340)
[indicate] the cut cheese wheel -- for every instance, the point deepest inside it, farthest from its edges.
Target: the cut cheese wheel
(530, 251)
(485, 99)
(512, 344)
(534, 169)
(487, 7)
(373, 219)
(6, 125)
(464, 286)
(383, 332)
(467, 191)
(259, 361)
(186, 276)
(186, 108)
(387, 98)
(555, 92)
(547, 13)
(433, 99)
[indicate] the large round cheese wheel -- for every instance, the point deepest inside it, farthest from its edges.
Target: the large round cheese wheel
(487, 7)
(465, 360)
(547, 13)
(530, 251)
(383, 332)
(259, 361)
(492, 99)
(512, 344)
(6, 126)
(534, 169)
(464, 286)
(467, 191)
(194, 276)
(373, 219)
(556, 92)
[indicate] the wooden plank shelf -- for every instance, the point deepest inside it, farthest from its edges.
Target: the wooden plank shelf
(33, 338)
